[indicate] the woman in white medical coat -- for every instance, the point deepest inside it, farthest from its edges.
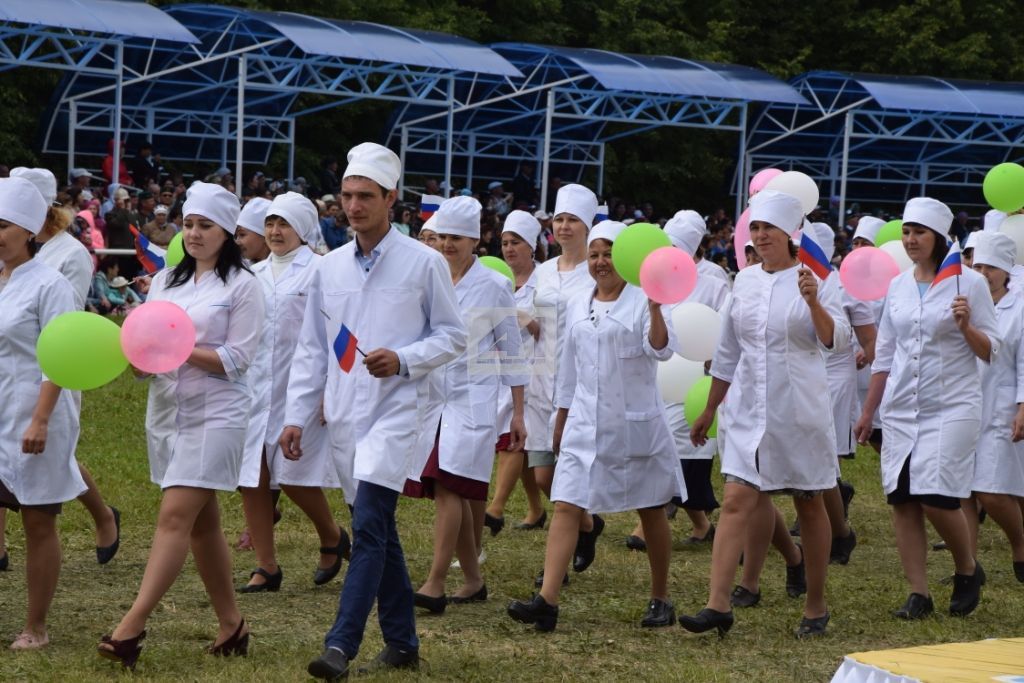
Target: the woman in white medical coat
(38, 420)
(999, 456)
(290, 221)
(775, 329)
(865, 236)
(616, 452)
(458, 468)
(929, 342)
(195, 421)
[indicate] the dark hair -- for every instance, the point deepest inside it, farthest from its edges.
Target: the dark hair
(228, 260)
(33, 247)
(793, 249)
(939, 251)
(107, 262)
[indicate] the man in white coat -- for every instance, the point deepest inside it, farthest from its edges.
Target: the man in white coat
(396, 296)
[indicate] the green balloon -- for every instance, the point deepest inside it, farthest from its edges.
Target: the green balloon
(1004, 187)
(80, 351)
(697, 401)
(498, 266)
(890, 232)
(633, 245)
(175, 251)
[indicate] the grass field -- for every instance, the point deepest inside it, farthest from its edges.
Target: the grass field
(597, 637)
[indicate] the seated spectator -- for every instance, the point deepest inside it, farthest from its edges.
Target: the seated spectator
(334, 226)
(103, 298)
(129, 297)
(159, 231)
(403, 220)
(145, 166)
(498, 201)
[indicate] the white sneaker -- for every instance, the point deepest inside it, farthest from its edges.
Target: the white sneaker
(480, 559)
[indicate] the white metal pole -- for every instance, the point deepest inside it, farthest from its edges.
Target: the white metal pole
(847, 126)
(600, 172)
(449, 148)
(240, 128)
(115, 171)
(401, 157)
(741, 172)
(72, 123)
(291, 152)
(225, 127)
(545, 165)
(469, 160)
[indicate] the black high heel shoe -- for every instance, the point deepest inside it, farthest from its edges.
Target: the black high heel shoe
(5, 562)
(430, 603)
(537, 611)
(707, 619)
(811, 628)
(235, 646)
(495, 524)
(531, 526)
(272, 584)
(124, 651)
(105, 555)
(342, 551)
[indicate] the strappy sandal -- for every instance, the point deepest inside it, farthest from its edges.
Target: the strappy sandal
(342, 551)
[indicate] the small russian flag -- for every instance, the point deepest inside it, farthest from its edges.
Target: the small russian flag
(951, 265)
(150, 256)
(812, 255)
(429, 203)
(601, 215)
(345, 348)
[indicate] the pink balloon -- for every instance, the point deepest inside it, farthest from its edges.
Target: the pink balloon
(761, 179)
(668, 275)
(158, 337)
(741, 237)
(866, 273)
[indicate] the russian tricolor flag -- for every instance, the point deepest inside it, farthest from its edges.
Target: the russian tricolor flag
(150, 256)
(812, 255)
(345, 348)
(429, 203)
(601, 215)
(951, 265)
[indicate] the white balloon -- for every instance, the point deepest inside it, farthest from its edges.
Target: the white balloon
(676, 376)
(898, 253)
(697, 328)
(1013, 227)
(798, 184)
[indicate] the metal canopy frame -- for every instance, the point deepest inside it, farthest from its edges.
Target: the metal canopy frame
(885, 139)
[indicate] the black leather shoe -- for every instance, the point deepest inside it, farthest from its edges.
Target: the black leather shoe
(917, 606)
(796, 578)
(707, 619)
(479, 596)
(811, 628)
(104, 555)
(495, 524)
(846, 492)
(5, 562)
(636, 543)
(586, 546)
(272, 584)
(966, 592)
(341, 551)
(707, 538)
(842, 548)
(659, 613)
(1018, 568)
(429, 603)
(531, 526)
(332, 665)
(539, 581)
(741, 597)
(390, 658)
(537, 611)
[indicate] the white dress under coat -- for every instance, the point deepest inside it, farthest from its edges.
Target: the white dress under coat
(196, 420)
(524, 303)
(617, 452)
(70, 258)
(932, 401)
(842, 370)
(777, 430)
(34, 295)
(708, 269)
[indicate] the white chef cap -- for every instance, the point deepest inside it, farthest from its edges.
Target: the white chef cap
(868, 227)
(524, 225)
(254, 214)
(21, 204)
(784, 211)
(995, 249)
(972, 240)
(376, 162)
(577, 200)
(931, 213)
(458, 216)
(44, 181)
(825, 236)
(605, 230)
(686, 229)
(430, 224)
(213, 202)
(993, 219)
(299, 212)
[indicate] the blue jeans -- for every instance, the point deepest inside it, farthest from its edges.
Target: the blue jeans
(377, 571)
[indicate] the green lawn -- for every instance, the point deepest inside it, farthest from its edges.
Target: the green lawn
(597, 636)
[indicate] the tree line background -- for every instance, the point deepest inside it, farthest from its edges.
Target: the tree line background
(978, 39)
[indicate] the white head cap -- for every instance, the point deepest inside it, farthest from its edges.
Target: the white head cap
(995, 249)
(784, 211)
(868, 227)
(254, 214)
(21, 204)
(993, 219)
(524, 225)
(458, 216)
(931, 213)
(605, 230)
(577, 200)
(44, 181)
(972, 240)
(299, 212)
(686, 229)
(825, 236)
(161, 210)
(376, 162)
(213, 202)
(430, 224)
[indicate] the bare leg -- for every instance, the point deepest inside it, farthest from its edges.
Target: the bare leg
(562, 536)
(970, 508)
(42, 567)
(952, 526)
(447, 524)
(3, 531)
(467, 549)
(737, 510)
(510, 467)
(213, 561)
(102, 515)
(544, 475)
(1005, 511)
(659, 549)
(258, 505)
(834, 508)
(758, 537)
(477, 521)
(912, 544)
(638, 530)
(783, 542)
(536, 508)
(313, 503)
(816, 536)
(701, 522)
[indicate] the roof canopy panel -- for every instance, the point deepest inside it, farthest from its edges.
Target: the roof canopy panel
(129, 18)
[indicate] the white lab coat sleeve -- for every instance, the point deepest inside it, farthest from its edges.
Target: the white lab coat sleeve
(673, 340)
(831, 300)
(983, 313)
(669, 348)
(565, 383)
(446, 336)
(727, 354)
(308, 375)
(885, 342)
(248, 310)
(1020, 364)
(510, 342)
